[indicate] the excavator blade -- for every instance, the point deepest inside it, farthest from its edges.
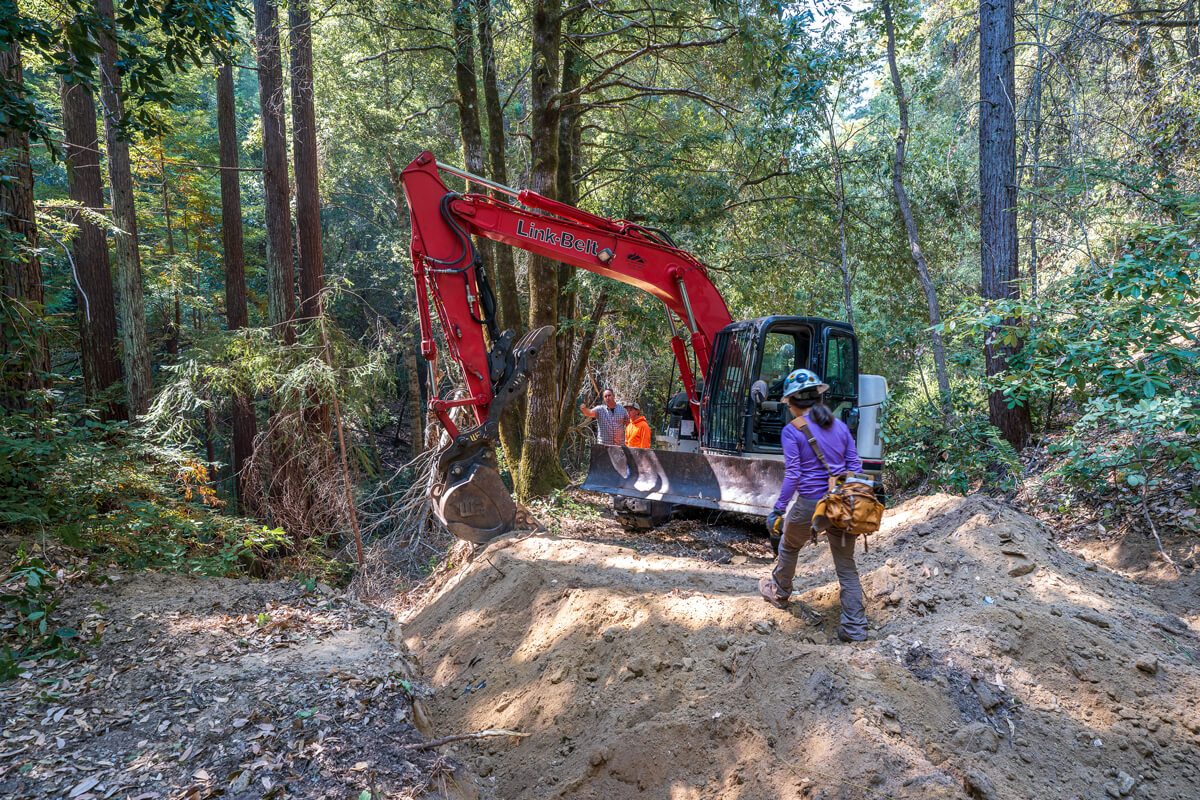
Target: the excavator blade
(746, 484)
(470, 498)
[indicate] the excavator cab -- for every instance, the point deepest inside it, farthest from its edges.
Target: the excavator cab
(743, 409)
(728, 455)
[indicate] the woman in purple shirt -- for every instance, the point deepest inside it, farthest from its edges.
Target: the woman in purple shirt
(804, 475)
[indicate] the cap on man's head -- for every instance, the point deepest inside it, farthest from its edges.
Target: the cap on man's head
(633, 405)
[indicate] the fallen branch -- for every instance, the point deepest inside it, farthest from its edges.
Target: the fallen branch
(458, 737)
(1154, 530)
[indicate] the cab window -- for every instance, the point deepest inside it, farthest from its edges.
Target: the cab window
(840, 366)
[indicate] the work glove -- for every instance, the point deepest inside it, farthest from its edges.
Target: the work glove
(775, 523)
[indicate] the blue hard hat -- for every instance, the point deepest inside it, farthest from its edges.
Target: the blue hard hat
(803, 380)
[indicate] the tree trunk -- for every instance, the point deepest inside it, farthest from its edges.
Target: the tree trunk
(24, 359)
(506, 275)
(281, 279)
(997, 188)
(308, 194)
(129, 266)
(174, 322)
(513, 420)
(97, 309)
(541, 472)
(415, 364)
(1032, 139)
(468, 110)
(910, 223)
(244, 423)
(568, 151)
(840, 188)
(567, 407)
(304, 147)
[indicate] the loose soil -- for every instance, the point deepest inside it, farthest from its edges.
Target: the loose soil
(1000, 666)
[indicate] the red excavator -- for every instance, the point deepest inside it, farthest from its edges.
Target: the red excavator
(721, 448)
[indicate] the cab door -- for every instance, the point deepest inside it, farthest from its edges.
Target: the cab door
(839, 369)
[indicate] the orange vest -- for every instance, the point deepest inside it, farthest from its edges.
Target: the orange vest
(637, 433)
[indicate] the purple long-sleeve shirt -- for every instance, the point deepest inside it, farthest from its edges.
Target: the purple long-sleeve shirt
(803, 473)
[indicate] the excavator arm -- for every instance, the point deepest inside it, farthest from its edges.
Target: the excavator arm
(470, 497)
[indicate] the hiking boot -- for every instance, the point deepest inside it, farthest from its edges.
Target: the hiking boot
(770, 592)
(845, 637)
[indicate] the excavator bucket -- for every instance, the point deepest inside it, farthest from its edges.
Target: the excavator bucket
(475, 505)
(470, 497)
(703, 480)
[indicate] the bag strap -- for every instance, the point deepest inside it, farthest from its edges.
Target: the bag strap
(801, 424)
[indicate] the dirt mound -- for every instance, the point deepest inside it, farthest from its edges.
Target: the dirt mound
(999, 667)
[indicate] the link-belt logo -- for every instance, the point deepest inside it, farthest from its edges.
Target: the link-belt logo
(564, 239)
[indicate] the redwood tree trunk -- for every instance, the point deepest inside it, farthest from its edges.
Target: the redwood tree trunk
(998, 196)
(541, 472)
(244, 423)
(129, 266)
(281, 278)
(308, 195)
(97, 309)
(468, 109)
(304, 147)
(24, 359)
(910, 223)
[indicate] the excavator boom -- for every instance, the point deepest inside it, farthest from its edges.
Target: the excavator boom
(469, 495)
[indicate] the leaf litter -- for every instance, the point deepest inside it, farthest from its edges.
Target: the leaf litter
(205, 687)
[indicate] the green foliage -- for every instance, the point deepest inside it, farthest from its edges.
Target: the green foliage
(1139, 444)
(105, 488)
(154, 42)
(1122, 344)
(955, 450)
(27, 599)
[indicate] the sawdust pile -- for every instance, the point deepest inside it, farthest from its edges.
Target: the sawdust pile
(1000, 667)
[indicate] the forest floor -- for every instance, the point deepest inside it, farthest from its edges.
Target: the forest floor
(1002, 664)
(199, 687)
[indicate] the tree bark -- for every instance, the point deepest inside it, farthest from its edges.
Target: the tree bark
(97, 310)
(840, 188)
(174, 323)
(130, 292)
(281, 277)
(505, 272)
(414, 363)
(568, 151)
(540, 471)
(579, 368)
(236, 316)
(997, 188)
(24, 359)
(468, 110)
(506, 275)
(910, 223)
(305, 161)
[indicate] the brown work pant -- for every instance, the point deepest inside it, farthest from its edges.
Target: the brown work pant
(797, 532)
